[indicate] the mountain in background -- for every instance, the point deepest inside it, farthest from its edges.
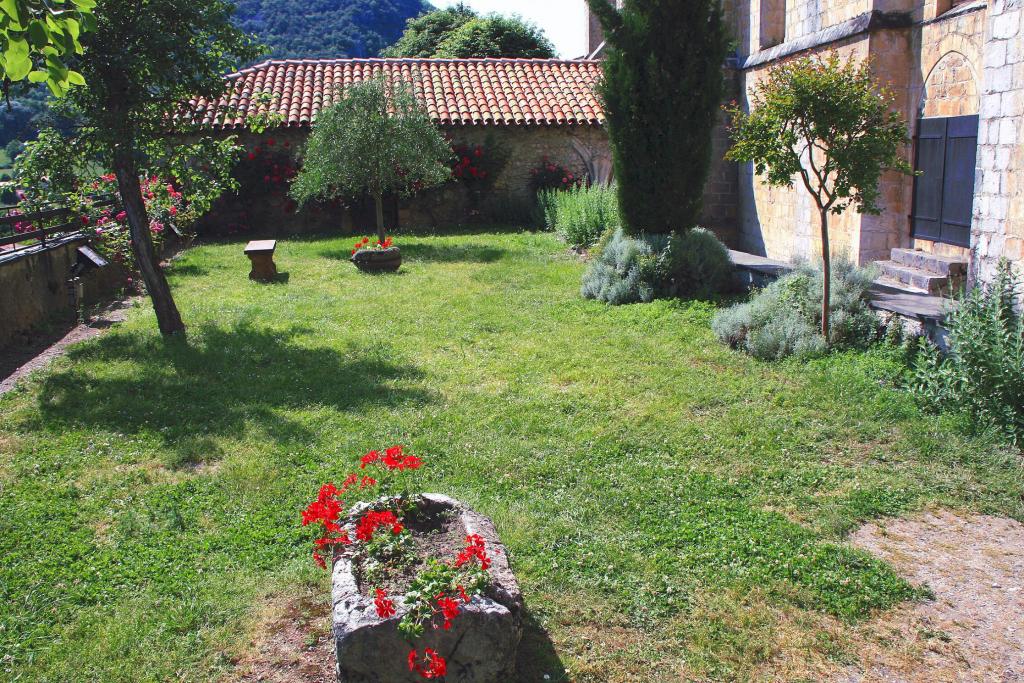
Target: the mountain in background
(327, 28)
(290, 28)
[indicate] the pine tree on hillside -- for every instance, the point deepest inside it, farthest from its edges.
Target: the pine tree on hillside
(662, 91)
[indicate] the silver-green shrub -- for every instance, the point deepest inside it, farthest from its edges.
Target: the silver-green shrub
(582, 214)
(982, 374)
(696, 264)
(784, 319)
(629, 269)
(623, 272)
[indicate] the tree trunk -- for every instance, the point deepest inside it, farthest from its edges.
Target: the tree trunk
(826, 271)
(378, 201)
(167, 315)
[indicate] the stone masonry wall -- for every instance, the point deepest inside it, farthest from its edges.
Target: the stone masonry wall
(783, 223)
(951, 62)
(892, 52)
(998, 225)
(263, 206)
(804, 17)
(946, 80)
(35, 293)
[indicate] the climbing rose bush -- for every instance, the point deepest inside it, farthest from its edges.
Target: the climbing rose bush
(108, 224)
(552, 176)
(437, 593)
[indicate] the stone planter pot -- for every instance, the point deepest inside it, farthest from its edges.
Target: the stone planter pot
(378, 260)
(483, 641)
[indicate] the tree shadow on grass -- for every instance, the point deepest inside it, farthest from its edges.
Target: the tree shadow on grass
(537, 661)
(220, 382)
(434, 253)
(187, 270)
(452, 253)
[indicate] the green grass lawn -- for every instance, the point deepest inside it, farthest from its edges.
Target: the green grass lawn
(671, 507)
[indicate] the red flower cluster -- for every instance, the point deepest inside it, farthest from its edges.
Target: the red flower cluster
(394, 458)
(373, 520)
(551, 176)
(385, 607)
(276, 170)
(326, 510)
(469, 164)
(448, 608)
(365, 244)
(475, 549)
(435, 667)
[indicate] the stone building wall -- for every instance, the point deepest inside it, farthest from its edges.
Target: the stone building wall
(998, 223)
(946, 78)
(804, 17)
(263, 206)
(950, 59)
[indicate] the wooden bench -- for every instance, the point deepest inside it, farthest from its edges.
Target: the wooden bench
(261, 253)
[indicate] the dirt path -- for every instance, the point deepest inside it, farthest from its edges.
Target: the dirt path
(19, 361)
(974, 628)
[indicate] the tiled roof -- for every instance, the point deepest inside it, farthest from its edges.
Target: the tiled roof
(454, 91)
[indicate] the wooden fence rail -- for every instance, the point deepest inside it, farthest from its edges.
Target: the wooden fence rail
(63, 220)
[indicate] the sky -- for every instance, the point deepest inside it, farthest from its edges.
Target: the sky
(562, 20)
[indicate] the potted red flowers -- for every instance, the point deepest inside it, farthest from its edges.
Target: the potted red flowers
(422, 589)
(379, 257)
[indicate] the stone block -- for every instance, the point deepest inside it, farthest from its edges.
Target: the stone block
(999, 80)
(1008, 131)
(995, 54)
(991, 105)
(1013, 249)
(481, 645)
(1005, 26)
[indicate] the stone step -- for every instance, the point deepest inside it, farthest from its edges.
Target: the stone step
(916, 279)
(893, 284)
(947, 266)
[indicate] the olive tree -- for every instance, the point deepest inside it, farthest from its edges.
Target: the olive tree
(376, 140)
(826, 122)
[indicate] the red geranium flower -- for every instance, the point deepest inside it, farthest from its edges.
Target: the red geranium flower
(449, 609)
(385, 607)
(371, 457)
(435, 667)
(475, 549)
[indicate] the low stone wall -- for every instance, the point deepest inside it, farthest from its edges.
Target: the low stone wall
(35, 291)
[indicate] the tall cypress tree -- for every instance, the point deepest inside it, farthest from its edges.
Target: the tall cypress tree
(662, 91)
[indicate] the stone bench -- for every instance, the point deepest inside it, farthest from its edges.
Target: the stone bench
(261, 253)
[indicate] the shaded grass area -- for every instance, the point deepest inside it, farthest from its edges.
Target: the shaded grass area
(673, 502)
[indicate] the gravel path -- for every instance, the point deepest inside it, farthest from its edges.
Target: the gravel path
(974, 628)
(19, 361)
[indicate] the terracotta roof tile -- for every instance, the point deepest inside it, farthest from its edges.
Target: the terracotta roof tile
(454, 91)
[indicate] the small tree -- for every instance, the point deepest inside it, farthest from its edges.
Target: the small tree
(423, 34)
(458, 32)
(827, 122)
(662, 92)
(496, 36)
(142, 64)
(375, 141)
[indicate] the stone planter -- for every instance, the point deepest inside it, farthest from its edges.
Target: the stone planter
(482, 643)
(378, 260)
